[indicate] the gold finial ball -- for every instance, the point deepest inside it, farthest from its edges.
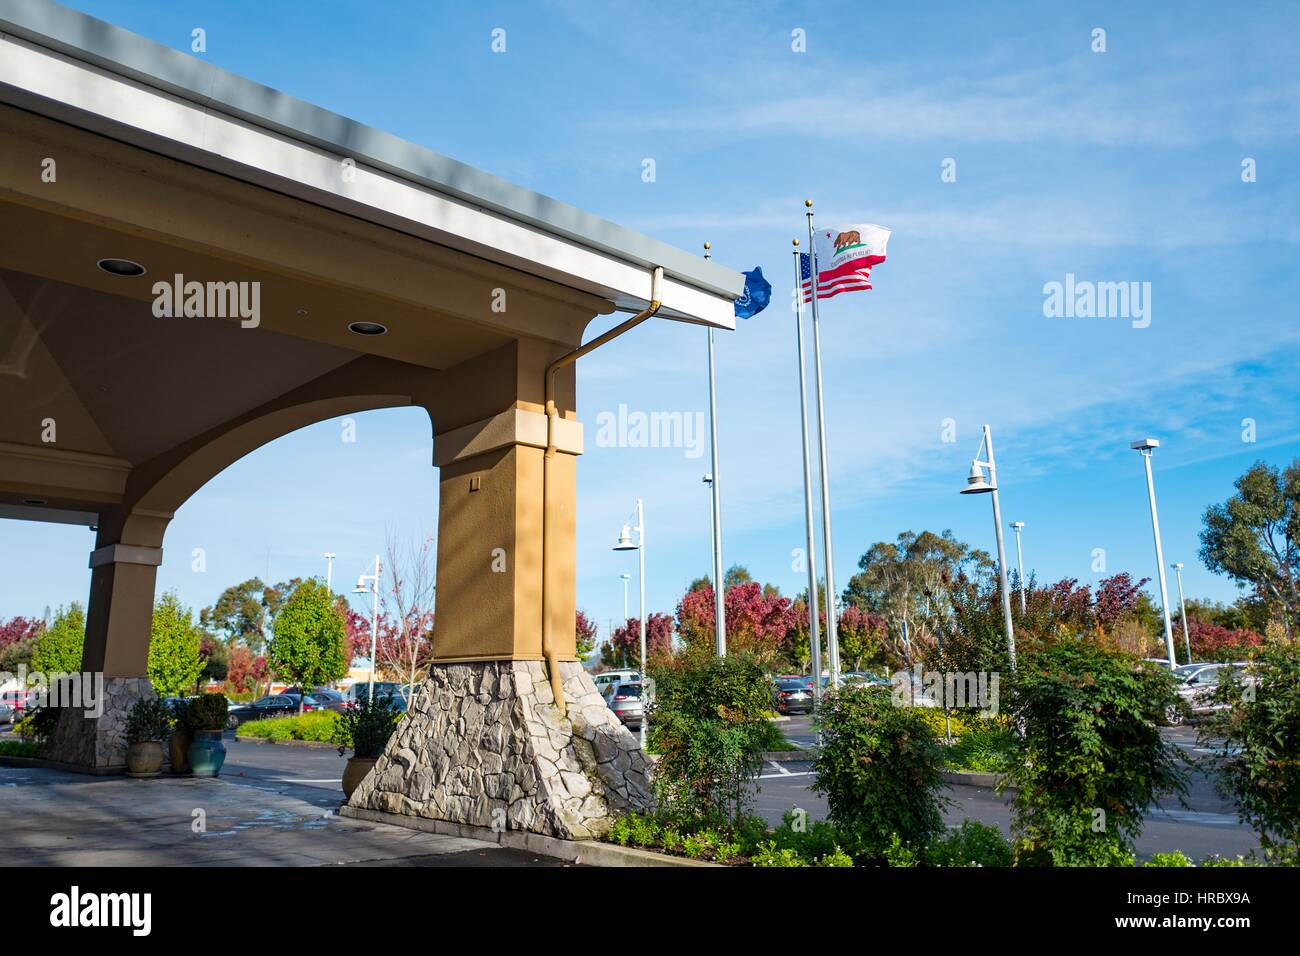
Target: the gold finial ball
(708, 245)
(796, 242)
(808, 203)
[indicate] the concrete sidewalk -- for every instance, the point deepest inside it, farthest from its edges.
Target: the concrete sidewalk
(55, 818)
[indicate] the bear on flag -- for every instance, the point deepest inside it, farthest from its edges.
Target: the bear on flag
(844, 259)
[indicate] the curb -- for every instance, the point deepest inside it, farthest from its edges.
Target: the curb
(969, 778)
(310, 744)
(782, 756)
(590, 852)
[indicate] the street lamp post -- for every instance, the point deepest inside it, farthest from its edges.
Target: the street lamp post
(1017, 527)
(373, 589)
(1182, 609)
(977, 485)
(625, 544)
(1146, 446)
(329, 571)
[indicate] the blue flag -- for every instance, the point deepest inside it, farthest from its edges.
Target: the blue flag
(757, 294)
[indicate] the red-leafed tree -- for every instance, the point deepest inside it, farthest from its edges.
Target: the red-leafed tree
(244, 670)
(584, 635)
(1213, 642)
(17, 629)
(623, 649)
(758, 619)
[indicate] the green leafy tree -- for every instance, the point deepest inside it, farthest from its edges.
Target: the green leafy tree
(709, 725)
(1254, 536)
(175, 661)
(310, 642)
(58, 650)
(1260, 766)
(909, 583)
(881, 769)
(1090, 759)
(243, 611)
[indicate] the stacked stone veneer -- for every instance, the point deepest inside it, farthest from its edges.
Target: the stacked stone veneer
(484, 745)
(98, 743)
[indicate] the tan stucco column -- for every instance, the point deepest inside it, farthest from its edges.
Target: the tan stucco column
(490, 539)
(124, 570)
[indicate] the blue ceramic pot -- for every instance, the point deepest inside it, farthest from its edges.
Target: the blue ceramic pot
(207, 753)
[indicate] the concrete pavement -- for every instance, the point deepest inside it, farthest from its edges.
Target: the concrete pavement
(246, 817)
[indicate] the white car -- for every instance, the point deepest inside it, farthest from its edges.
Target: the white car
(604, 679)
(1196, 686)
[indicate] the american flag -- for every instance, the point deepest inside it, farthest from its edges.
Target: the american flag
(831, 285)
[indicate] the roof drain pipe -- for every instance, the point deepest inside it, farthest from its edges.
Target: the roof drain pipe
(548, 642)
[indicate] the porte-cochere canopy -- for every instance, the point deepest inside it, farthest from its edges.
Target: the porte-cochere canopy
(273, 235)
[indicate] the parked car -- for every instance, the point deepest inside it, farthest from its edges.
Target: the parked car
(605, 678)
(327, 699)
(793, 694)
(1196, 686)
(625, 700)
(21, 701)
(361, 689)
(6, 713)
(273, 705)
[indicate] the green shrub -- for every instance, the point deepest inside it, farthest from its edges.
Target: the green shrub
(1091, 759)
(208, 712)
(148, 720)
(366, 727)
(38, 726)
(1216, 860)
(1176, 858)
(645, 831)
(709, 727)
(318, 726)
(880, 768)
(770, 855)
(987, 746)
(1261, 766)
(19, 748)
(698, 845)
(671, 840)
(971, 844)
(837, 858)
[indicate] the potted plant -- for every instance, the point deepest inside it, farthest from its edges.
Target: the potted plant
(178, 745)
(207, 716)
(365, 730)
(147, 725)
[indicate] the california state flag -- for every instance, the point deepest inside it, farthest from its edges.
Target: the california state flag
(845, 257)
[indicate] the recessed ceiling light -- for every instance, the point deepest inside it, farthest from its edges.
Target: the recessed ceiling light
(367, 328)
(34, 501)
(123, 268)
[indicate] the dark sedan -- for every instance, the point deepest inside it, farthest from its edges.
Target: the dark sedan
(276, 705)
(793, 695)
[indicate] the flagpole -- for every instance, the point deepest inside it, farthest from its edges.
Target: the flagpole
(814, 628)
(832, 637)
(719, 583)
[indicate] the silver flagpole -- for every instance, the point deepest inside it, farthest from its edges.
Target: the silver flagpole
(719, 584)
(832, 637)
(814, 626)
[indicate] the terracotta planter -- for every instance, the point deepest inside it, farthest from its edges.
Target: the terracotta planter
(178, 746)
(354, 773)
(144, 759)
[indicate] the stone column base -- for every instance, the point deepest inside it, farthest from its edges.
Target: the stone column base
(98, 743)
(485, 746)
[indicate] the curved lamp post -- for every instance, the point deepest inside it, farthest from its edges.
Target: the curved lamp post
(977, 484)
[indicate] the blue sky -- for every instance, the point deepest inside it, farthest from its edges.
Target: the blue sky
(1116, 166)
